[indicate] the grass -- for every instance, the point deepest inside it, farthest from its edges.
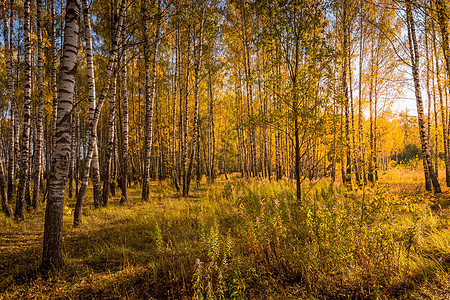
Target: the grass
(242, 239)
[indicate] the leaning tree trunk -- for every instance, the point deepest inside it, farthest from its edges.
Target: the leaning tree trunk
(150, 95)
(96, 114)
(25, 157)
(52, 250)
(39, 140)
(428, 166)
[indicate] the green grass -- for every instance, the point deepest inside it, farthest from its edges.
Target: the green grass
(240, 239)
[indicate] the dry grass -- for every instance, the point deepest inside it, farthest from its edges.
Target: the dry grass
(242, 239)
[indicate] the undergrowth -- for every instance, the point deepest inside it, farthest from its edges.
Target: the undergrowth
(240, 239)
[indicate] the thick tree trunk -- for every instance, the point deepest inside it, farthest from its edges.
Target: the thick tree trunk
(428, 163)
(52, 248)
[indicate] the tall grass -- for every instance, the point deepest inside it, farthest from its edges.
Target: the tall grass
(242, 239)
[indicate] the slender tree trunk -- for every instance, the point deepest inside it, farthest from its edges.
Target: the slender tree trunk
(91, 148)
(362, 150)
(52, 248)
(54, 80)
(443, 25)
(195, 129)
(212, 138)
(25, 157)
(431, 99)
(175, 175)
(95, 163)
(77, 152)
(110, 148)
(13, 108)
(249, 88)
(297, 157)
(444, 122)
(370, 175)
(3, 192)
(428, 165)
(39, 140)
(124, 179)
(354, 152)
(347, 179)
(72, 147)
(185, 124)
(150, 96)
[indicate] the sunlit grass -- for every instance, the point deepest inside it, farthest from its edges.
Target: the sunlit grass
(239, 239)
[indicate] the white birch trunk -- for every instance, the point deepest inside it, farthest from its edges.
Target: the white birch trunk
(150, 95)
(95, 117)
(39, 135)
(13, 107)
(25, 156)
(426, 152)
(52, 248)
(124, 180)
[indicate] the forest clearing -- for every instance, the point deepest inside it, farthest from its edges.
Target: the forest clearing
(224, 149)
(243, 239)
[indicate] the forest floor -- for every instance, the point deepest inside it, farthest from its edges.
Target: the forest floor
(243, 239)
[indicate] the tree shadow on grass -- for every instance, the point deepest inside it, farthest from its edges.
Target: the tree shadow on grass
(122, 259)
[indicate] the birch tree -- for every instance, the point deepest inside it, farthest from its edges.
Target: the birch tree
(39, 134)
(150, 94)
(430, 174)
(25, 155)
(12, 105)
(52, 245)
(91, 147)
